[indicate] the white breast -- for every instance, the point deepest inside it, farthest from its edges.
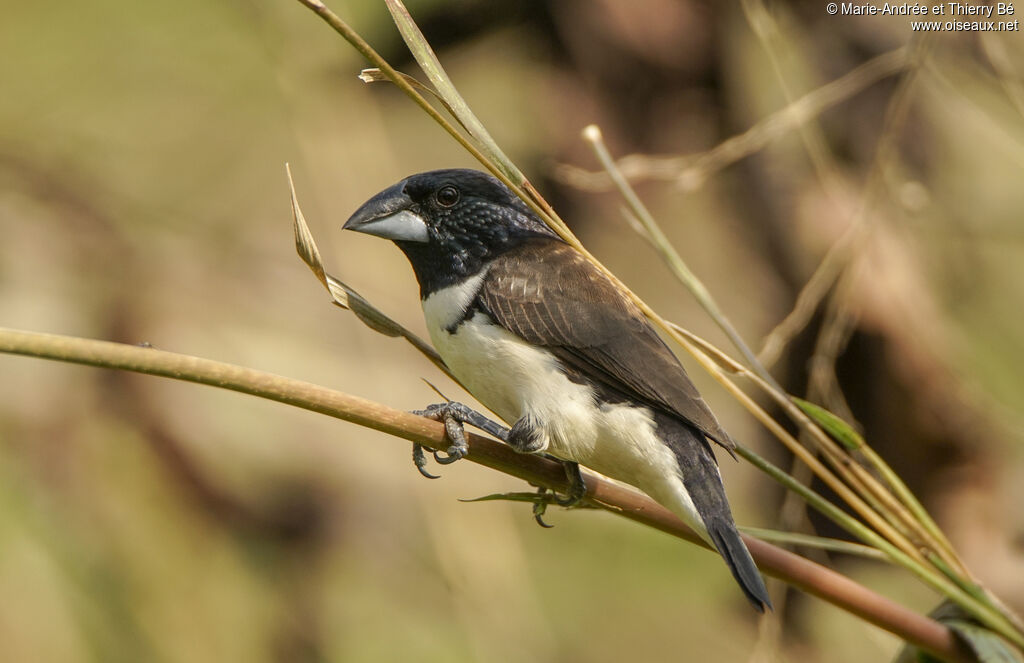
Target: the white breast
(513, 379)
(508, 375)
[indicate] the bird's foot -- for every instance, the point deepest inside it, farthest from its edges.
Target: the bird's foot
(453, 415)
(525, 436)
(577, 491)
(577, 486)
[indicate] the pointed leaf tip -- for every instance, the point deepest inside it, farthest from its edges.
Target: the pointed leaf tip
(304, 244)
(832, 424)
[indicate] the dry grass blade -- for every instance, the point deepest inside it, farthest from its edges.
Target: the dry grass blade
(878, 507)
(808, 299)
(343, 295)
(518, 184)
(304, 243)
(431, 66)
(375, 75)
(868, 498)
(842, 251)
(653, 233)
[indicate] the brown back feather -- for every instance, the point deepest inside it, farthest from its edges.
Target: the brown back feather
(550, 295)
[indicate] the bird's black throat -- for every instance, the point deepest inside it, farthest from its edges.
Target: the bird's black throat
(457, 252)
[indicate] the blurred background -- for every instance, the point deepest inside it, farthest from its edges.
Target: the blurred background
(143, 199)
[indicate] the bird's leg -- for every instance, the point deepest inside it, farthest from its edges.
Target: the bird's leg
(577, 486)
(453, 415)
(526, 436)
(577, 491)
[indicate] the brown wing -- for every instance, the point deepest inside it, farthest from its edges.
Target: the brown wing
(550, 295)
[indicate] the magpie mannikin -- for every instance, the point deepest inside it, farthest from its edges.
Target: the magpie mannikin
(541, 337)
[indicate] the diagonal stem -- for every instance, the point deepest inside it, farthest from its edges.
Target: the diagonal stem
(802, 573)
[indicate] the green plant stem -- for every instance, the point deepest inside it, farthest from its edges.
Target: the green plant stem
(897, 547)
(813, 578)
(969, 602)
(819, 542)
(908, 499)
(900, 515)
(661, 243)
(881, 502)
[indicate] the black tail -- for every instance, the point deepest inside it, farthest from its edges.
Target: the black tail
(736, 555)
(704, 484)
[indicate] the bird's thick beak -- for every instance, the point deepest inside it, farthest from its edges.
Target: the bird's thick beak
(389, 215)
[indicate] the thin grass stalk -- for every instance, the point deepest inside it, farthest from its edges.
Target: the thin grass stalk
(843, 490)
(767, 32)
(945, 548)
(855, 474)
(980, 609)
(691, 169)
(817, 542)
(869, 489)
(901, 516)
(360, 44)
(592, 135)
(899, 549)
(895, 116)
(895, 516)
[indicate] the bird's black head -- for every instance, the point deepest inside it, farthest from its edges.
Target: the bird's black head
(449, 223)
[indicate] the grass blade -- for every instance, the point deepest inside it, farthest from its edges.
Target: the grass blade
(431, 66)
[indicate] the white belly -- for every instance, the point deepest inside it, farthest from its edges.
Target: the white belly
(515, 379)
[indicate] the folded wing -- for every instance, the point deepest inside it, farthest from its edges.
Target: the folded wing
(550, 295)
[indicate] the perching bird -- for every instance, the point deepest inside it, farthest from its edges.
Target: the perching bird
(541, 337)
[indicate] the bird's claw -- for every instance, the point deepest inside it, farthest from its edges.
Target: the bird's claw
(452, 454)
(577, 491)
(540, 507)
(419, 458)
(453, 415)
(577, 486)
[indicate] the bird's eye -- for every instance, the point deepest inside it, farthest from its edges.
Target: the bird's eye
(447, 196)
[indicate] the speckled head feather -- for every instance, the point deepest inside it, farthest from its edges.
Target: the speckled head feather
(469, 217)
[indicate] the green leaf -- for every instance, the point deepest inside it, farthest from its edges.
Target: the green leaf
(841, 432)
(506, 497)
(534, 497)
(809, 541)
(986, 645)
